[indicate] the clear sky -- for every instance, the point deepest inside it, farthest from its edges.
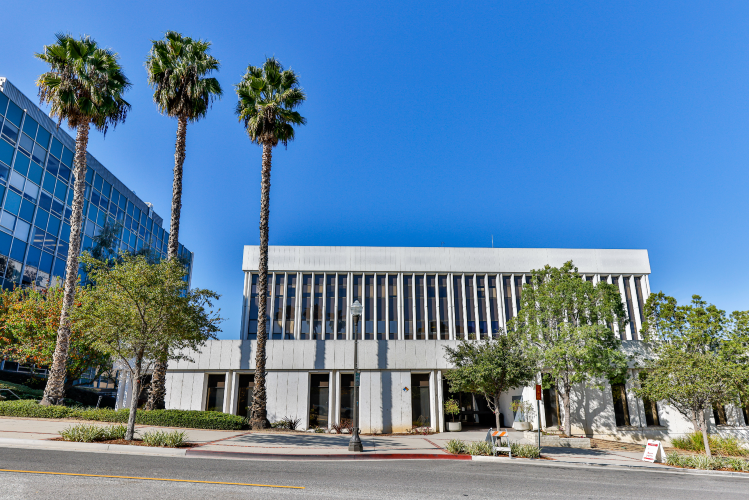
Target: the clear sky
(593, 125)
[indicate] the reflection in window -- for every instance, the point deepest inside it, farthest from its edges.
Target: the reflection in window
(393, 306)
(278, 308)
(329, 306)
(317, 309)
(457, 293)
(369, 307)
(381, 298)
(470, 313)
(408, 326)
(290, 306)
(481, 296)
(444, 326)
(342, 306)
(432, 306)
(630, 308)
(493, 307)
(252, 324)
(419, 294)
(306, 305)
(507, 285)
(357, 295)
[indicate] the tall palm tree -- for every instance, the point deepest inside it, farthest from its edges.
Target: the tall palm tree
(84, 86)
(177, 71)
(267, 99)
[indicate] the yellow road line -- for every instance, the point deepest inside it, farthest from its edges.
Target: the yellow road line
(152, 479)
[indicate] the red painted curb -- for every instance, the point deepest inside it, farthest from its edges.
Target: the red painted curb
(272, 456)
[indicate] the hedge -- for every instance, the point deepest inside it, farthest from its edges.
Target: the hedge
(190, 419)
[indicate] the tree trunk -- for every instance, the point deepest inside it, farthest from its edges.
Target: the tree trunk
(567, 409)
(496, 410)
(54, 392)
(703, 428)
(158, 380)
(130, 434)
(259, 411)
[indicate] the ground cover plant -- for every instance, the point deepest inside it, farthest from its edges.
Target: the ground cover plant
(88, 433)
(189, 419)
(173, 439)
(707, 463)
(718, 444)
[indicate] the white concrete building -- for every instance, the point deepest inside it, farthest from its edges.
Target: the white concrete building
(416, 301)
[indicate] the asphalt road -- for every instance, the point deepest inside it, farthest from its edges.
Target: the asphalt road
(390, 479)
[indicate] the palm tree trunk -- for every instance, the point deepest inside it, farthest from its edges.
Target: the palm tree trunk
(54, 392)
(157, 393)
(259, 410)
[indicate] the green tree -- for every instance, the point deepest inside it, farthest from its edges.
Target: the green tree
(178, 69)
(693, 365)
(84, 86)
(568, 320)
(268, 96)
(490, 368)
(137, 311)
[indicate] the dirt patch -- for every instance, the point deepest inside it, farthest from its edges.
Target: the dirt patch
(603, 444)
(134, 442)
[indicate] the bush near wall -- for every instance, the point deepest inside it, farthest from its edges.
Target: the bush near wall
(190, 419)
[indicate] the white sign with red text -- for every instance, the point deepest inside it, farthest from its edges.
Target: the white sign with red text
(653, 451)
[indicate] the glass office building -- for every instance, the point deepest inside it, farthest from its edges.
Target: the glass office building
(36, 189)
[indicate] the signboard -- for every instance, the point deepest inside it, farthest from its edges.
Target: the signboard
(356, 379)
(538, 392)
(653, 451)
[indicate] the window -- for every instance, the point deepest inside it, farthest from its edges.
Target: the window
(393, 306)
(408, 326)
(357, 295)
(623, 332)
(318, 400)
(419, 296)
(640, 301)
(329, 306)
(342, 306)
(245, 394)
(317, 308)
(458, 302)
(719, 414)
(381, 307)
(651, 407)
(470, 313)
(551, 403)
(493, 310)
(621, 409)
(630, 308)
(507, 285)
(518, 292)
(444, 323)
(432, 306)
(369, 307)
(481, 296)
(252, 322)
(347, 398)
(278, 307)
(421, 409)
(306, 306)
(215, 396)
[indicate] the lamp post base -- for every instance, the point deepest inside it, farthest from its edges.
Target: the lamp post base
(355, 443)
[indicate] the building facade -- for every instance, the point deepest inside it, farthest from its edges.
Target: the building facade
(417, 301)
(36, 190)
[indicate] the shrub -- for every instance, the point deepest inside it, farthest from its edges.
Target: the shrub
(707, 463)
(525, 450)
(718, 444)
(479, 448)
(168, 418)
(288, 423)
(173, 439)
(456, 447)
(85, 433)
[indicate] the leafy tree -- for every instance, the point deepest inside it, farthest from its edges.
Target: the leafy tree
(568, 320)
(268, 96)
(491, 368)
(178, 69)
(137, 311)
(84, 85)
(696, 357)
(31, 323)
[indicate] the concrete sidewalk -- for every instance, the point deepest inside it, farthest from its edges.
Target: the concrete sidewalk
(37, 432)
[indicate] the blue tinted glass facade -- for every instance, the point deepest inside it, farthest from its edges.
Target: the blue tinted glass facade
(36, 191)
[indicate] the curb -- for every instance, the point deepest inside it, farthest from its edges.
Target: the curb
(238, 455)
(92, 447)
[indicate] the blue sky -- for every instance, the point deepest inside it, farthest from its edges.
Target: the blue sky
(574, 124)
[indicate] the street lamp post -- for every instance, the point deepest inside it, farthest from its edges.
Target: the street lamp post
(355, 443)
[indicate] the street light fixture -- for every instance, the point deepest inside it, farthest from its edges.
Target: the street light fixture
(355, 443)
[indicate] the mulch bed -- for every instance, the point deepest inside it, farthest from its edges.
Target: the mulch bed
(134, 442)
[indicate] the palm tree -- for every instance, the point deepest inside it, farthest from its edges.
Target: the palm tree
(84, 86)
(267, 99)
(177, 67)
